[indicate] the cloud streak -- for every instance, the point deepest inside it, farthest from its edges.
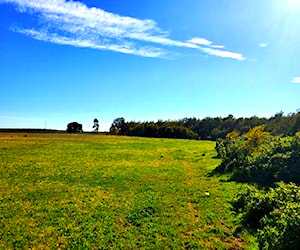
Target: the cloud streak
(296, 79)
(75, 24)
(263, 45)
(200, 41)
(86, 43)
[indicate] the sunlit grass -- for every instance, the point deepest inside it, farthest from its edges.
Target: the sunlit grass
(89, 191)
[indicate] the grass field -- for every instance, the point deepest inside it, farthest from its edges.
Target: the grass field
(90, 192)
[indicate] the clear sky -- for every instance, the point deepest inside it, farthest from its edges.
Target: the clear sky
(64, 61)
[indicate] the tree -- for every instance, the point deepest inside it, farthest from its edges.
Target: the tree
(74, 127)
(96, 125)
(118, 126)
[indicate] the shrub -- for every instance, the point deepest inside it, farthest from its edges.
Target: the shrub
(74, 127)
(259, 157)
(275, 215)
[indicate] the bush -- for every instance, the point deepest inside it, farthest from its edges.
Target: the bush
(259, 157)
(275, 215)
(74, 127)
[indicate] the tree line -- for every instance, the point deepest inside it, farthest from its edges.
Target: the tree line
(207, 128)
(192, 128)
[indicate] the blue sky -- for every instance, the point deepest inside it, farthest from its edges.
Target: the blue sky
(64, 61)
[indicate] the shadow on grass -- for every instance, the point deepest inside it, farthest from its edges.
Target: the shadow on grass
(262, 179)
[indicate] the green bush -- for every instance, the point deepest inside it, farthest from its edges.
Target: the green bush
(275, 215)
(259, 157)
(264, 159)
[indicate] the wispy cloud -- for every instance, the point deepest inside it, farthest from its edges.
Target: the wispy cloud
(296, 79)
(263, 45)
(73, 23)
(223, 53)
(86, 43)
(218, 46)
(211, 49)
(205, 42)
(200, 41)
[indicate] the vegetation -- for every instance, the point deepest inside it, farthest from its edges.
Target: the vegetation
(274, 214)
(259, 157)
(74, 127)
(208, 128)
(96, 125)
(118, 127)
(90, 191)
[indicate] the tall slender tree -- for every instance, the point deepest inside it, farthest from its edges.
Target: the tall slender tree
(96, 125)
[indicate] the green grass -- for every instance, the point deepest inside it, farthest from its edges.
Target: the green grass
(90, 192)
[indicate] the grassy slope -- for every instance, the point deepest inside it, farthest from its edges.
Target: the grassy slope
(73, 191)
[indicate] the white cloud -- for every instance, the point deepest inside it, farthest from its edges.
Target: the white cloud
(211, 49)
(263, 45)
(223, 53)
(200, 41)
(124, 48)
(218, 46)
(296, 79)
(205, 42)
(73, 23)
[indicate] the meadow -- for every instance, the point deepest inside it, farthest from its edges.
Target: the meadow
(84, 191)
